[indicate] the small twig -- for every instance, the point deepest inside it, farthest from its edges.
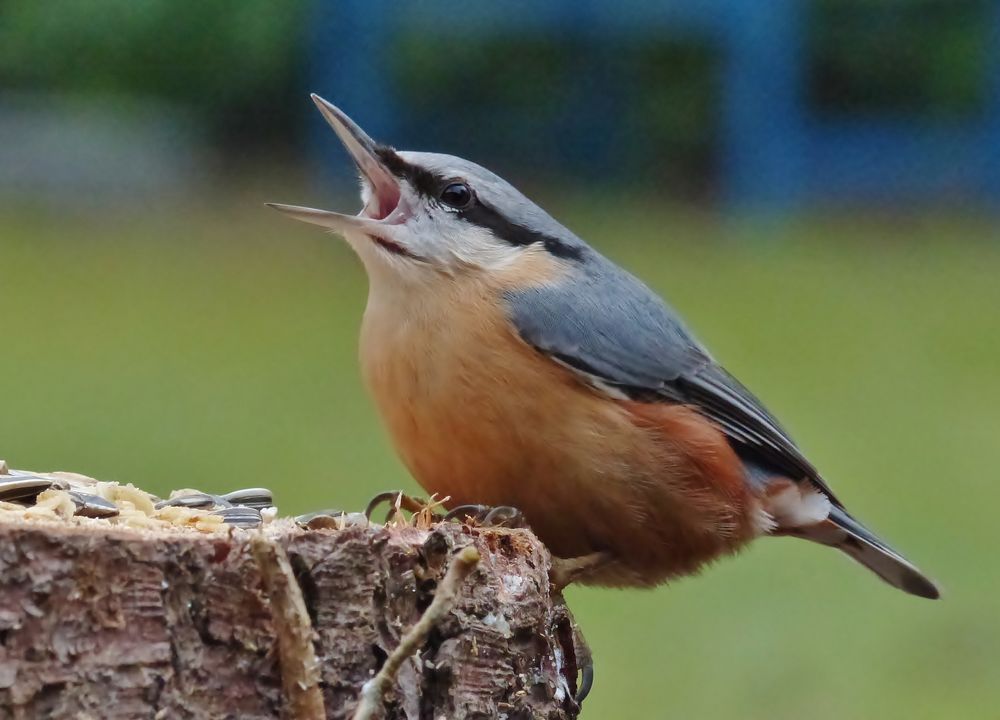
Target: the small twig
(299, 669)
(373, 691)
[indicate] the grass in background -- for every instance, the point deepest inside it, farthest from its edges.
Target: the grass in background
(218, 350)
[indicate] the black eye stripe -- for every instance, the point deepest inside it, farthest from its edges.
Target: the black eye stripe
(487, 217)
(423, 181)
(478, 213)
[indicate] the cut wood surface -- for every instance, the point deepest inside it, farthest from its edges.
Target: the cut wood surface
(105, 621)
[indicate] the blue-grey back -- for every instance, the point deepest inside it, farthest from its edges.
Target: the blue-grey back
(607, 319)
(619, 335)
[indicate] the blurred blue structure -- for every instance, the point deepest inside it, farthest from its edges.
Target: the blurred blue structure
(775, 152)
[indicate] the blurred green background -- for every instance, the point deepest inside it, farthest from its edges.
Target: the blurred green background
(173, 332)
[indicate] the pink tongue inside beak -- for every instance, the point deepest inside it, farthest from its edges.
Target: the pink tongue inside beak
(384, 199)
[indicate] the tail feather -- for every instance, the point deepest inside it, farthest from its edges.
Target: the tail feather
(845, 533)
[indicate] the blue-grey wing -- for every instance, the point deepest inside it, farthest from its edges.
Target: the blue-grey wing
(620, 336)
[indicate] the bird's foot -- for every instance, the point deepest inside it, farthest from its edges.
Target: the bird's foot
(422, 511)
(486, 516)
(578, 661)
(569, 570)
(584, 663)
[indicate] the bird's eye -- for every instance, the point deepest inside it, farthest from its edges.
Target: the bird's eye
(457, 195)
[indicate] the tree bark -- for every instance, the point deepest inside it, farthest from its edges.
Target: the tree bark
(98, 621)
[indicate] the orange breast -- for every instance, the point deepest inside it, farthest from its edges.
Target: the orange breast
(478, 415)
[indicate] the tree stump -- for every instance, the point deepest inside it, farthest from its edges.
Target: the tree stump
(103, 621)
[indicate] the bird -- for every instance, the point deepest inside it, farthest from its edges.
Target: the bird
(514, 365)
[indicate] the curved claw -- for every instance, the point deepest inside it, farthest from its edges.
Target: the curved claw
(464, 513)
(585, 663)
(395, 496)
(379, 499)
(487, 516)
(586, 682)
(504, 516)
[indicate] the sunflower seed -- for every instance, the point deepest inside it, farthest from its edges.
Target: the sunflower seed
(191, 500)
(71, 480)
(259, 498)
(245, 517)
(92, 506)
(22, 487)
(321, 520)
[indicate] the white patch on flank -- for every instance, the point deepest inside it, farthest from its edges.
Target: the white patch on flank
(762, 520)
(609, 390)
(798, 505)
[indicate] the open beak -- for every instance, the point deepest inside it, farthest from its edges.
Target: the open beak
(385, 191)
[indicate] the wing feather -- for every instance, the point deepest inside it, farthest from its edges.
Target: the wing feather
(623, 339)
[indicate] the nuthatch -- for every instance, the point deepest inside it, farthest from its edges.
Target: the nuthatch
(515, 365)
